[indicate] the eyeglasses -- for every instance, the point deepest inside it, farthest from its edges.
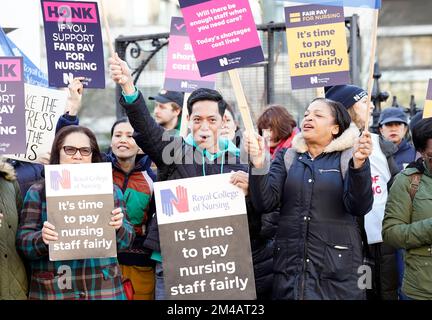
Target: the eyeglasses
(71, 151)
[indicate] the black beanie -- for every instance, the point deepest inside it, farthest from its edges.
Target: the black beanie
(348, 95)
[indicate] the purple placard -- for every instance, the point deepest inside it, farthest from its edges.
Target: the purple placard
(317, 46)
(12, 107)
(222, 33)
(181, 72)
(74, 43)
(429, 91)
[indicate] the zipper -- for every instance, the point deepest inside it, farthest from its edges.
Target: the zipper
(305, 250)
(328, 170)
(125, 183)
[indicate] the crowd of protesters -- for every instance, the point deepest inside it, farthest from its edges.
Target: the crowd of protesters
(324, 196)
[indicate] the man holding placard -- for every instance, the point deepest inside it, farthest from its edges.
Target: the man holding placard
(202, 153)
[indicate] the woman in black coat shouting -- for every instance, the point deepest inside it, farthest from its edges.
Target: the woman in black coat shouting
(321, 185)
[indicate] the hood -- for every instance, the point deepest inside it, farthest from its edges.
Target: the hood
(344, 142)
(7, 170)
(225, 146)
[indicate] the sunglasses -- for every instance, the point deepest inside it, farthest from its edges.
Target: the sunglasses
(71, 151)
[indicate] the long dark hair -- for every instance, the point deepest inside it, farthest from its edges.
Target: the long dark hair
(61, 136)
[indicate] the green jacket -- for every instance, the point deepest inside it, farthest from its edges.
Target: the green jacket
(408, 224)
(13, 278)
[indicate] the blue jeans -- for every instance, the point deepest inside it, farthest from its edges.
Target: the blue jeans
(160, 284)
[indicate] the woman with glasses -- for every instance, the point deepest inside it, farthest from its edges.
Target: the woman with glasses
(408, 217)
(89, 279)
(133, 174)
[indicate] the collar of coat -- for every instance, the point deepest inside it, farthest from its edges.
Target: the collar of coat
(344, 142)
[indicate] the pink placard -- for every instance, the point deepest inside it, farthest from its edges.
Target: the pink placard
(220, 27)
(74, 12)
(181, 63)
(10, 70)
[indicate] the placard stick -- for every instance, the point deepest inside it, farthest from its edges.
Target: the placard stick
(241, 99)
(427, 110)
(107, 28)
(185, 112)
(371, 65)
(320, 93)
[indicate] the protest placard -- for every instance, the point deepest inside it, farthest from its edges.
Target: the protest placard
(74, 43)
(12, 112)
(79, 205)
(204, 238)
(317, 46)
(32, 74)
(427, 110)
(181, 73)
(43, 108)
(371, 4)
(222, 33)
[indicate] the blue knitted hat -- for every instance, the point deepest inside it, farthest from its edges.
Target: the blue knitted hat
(348, 95)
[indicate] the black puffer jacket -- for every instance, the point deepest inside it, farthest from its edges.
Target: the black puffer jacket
(318, 244)
(178, 158)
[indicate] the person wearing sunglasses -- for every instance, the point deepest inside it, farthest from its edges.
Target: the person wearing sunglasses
(90, 279)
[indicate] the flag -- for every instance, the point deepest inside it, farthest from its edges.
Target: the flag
(32, 74)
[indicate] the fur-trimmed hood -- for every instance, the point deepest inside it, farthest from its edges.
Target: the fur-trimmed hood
(6, 170)
(344, 142)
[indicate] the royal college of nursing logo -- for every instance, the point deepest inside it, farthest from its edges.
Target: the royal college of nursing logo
(63, 180)
(179, 201)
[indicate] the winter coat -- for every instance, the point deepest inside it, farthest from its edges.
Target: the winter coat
(27, 174)
(318, 245)
(405, 154)
(408, 224)
(13, 278)
(178, 158)
(91, 279)
(137, 188)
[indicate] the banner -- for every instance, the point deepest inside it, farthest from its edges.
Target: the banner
(427, 110)
(371, 4)
(181, 73)
(12, 112)
(79, 205)
(43, 108)
(204, 238)
(73, 43)
(317, 47)
(222, 33)
(32, 74)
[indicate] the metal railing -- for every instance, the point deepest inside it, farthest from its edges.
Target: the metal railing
(264, 83)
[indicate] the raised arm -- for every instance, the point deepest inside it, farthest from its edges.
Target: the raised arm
(150, 136)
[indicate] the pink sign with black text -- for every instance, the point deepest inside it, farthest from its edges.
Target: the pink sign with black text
(181, 73)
